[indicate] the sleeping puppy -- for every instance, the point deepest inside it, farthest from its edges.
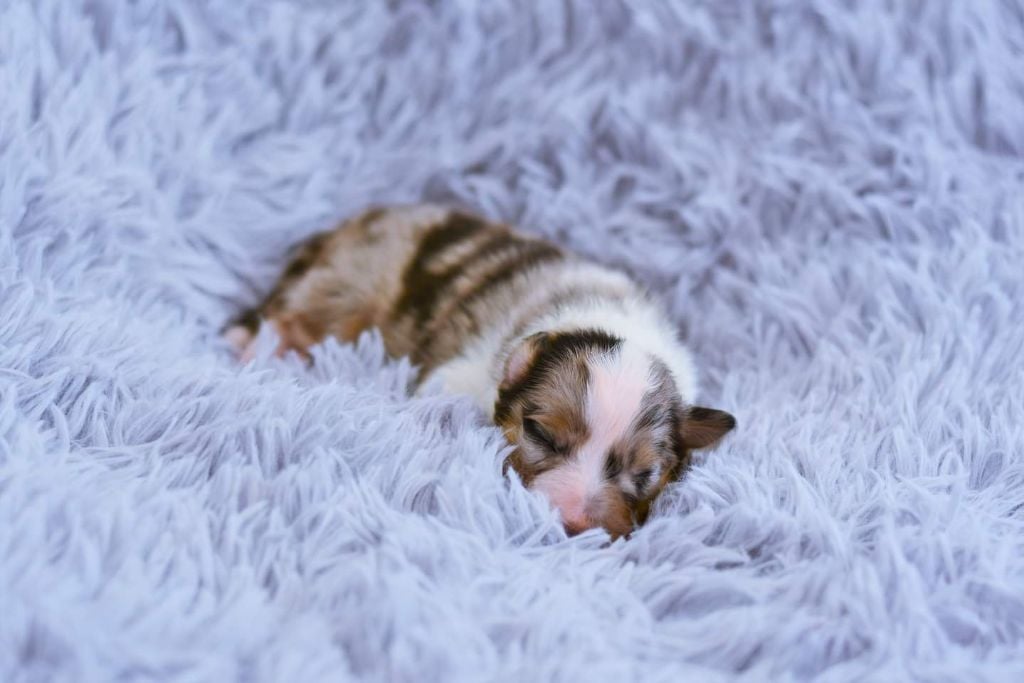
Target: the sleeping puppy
(579, 368)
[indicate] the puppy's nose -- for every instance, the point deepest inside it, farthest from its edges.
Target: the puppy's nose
(577, 526)
(576, 521)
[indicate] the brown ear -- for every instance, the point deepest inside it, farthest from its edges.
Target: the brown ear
(703, 427)
(521, 359)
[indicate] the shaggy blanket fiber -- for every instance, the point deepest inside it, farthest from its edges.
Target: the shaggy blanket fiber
(828, 196)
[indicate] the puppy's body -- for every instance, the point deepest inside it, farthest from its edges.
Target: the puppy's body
(578, 366)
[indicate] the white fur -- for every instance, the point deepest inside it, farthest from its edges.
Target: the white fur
(618, 382)
(476, 372)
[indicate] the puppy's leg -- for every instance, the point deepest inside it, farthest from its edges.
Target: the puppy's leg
(241, 332)
(288, 305)
(295, 332)
(325, 290)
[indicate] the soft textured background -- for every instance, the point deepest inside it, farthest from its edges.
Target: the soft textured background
(828, 195)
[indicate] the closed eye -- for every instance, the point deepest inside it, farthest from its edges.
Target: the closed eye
(540, 436)
(641, 480)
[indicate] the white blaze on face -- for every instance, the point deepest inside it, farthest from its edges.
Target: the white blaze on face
(618, 383)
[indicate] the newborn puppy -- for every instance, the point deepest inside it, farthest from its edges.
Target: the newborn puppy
(575, 363)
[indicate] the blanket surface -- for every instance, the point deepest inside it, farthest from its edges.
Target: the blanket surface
(827, 195)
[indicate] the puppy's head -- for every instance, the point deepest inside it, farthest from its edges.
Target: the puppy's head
(598, 426)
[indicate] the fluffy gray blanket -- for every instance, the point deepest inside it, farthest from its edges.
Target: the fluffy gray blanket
(827, 194)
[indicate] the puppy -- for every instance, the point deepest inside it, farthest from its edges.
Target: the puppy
(572, 360)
